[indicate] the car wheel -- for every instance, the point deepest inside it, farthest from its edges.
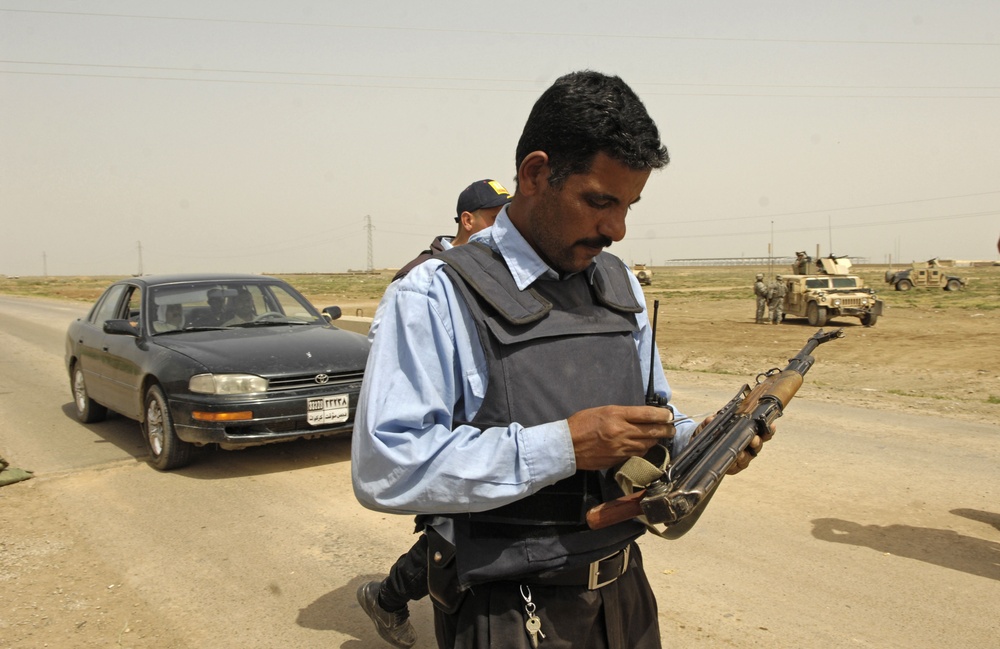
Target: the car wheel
(953, 285)
(166, 450)
(87, 410)
(904, 285)
(816, 314)
(869, 319)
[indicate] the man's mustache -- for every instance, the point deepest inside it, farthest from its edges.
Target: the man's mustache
(596, 242)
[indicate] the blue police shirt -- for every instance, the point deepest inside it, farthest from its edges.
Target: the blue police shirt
(425, 363)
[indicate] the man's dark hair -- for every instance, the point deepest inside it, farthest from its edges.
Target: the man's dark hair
(585, 113)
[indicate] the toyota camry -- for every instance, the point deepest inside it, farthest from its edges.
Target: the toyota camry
(225, 360)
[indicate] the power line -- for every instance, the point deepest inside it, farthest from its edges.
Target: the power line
(484, 89)
(720, 234)
(822, 211)
(499, 32)
(470, 79)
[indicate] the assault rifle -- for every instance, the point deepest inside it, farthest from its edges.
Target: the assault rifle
(679, 497)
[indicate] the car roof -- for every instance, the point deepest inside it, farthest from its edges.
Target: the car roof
(158, 280)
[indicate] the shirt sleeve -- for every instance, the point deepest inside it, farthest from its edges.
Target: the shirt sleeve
(405, 456)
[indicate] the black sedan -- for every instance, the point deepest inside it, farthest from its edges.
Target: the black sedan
(226, 360)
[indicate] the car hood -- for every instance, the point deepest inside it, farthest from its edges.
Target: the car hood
(273, 350)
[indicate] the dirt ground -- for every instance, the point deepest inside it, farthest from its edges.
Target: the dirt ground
(915, 360)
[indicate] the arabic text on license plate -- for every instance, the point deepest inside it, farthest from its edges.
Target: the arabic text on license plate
(323, 411)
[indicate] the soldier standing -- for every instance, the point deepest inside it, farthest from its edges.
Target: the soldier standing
(801, 266)
(760, 290)
(776, 299)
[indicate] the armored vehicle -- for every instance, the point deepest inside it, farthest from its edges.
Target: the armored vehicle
(643, 274)
(831, 293)
(926, 274)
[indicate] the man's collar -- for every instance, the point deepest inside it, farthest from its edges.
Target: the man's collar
(524, 263)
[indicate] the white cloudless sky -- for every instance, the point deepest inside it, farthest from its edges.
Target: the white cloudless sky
(308, 136)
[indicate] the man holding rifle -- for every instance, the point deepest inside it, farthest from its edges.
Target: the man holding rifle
(508, 376)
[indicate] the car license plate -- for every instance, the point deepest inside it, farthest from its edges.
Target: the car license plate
(328, 410)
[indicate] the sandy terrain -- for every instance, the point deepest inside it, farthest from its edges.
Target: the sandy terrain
(917, 360)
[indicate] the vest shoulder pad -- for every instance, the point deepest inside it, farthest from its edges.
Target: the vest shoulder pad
(485, 272)
(613, 288)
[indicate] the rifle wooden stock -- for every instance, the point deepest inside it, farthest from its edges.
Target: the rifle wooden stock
(679, 497)
(615, 511)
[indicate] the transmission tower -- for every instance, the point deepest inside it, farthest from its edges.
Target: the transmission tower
(370, 228)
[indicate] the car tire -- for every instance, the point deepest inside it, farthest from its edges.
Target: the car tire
(953, 285)
(816, 314)
(166, 450)
(88, 411)
(904, 285)
(869, 319)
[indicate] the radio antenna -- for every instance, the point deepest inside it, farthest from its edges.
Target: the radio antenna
(651, 398)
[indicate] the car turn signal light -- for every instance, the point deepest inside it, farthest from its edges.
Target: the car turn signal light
(242, 415)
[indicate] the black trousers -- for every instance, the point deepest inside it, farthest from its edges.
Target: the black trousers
(621, 615)
(407, 578)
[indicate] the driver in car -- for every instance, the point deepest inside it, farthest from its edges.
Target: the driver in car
(243, 310)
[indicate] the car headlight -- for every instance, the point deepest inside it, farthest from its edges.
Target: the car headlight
(836, 302)
(227, 383)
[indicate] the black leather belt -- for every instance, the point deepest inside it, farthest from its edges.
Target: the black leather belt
(594, 575)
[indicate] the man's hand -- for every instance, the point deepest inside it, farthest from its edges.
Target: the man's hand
(744, 457)
(608, 435)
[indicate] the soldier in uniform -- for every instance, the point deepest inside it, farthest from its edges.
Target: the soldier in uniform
(801, 266)
(760, 290)
(776, 299)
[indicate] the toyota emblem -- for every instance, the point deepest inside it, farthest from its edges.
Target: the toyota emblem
(322, 378)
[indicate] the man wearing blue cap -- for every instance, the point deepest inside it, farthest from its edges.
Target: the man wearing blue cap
(385, 602)
(478, 206)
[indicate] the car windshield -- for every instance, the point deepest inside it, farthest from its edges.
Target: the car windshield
(228, 304)
(845, 282)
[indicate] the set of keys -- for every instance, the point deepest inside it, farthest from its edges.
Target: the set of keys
(533, 625)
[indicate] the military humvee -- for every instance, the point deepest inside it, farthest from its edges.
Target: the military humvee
(926, 274)
(831, 293)
(643, 274)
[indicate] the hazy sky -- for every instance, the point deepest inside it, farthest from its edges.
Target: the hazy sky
(259, 136)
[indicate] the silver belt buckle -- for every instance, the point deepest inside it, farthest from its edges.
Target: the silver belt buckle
(593, 582)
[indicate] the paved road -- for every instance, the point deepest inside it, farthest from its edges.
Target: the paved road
(855, 528)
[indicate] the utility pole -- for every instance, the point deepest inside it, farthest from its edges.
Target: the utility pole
(371, 256)
(770, 253)
(140, 259)
(45, 266)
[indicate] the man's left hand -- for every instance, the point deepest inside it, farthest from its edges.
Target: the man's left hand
(745, 456)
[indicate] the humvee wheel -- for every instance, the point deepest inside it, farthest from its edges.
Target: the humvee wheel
(869, 319)
(953, 285)
(904, 285)
(816, 314)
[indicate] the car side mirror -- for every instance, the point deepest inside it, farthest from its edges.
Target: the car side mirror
(121, 327)
(332, 313)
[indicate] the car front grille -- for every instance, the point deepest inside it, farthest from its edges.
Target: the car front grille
(851, 302)
(284, 383)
